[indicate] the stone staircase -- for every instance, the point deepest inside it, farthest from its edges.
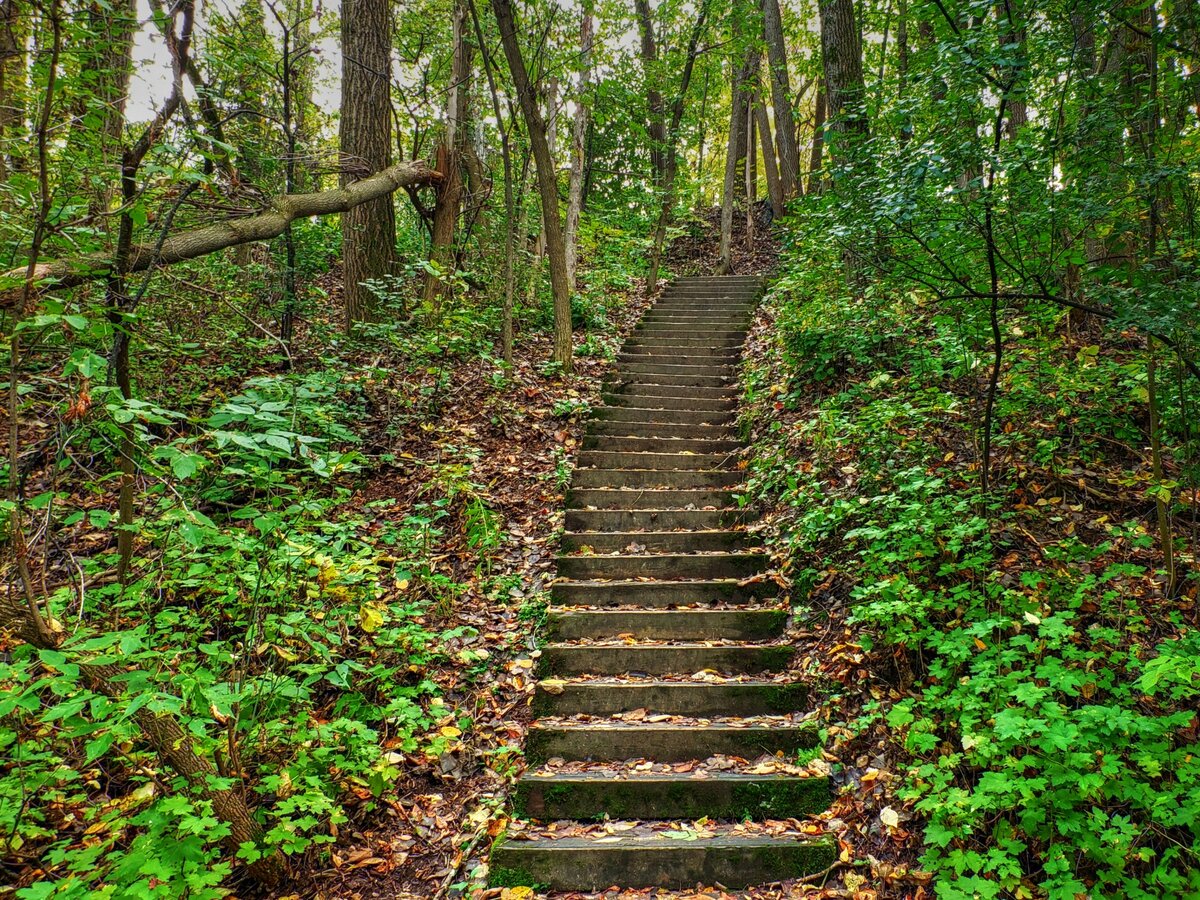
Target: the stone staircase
(666, 729)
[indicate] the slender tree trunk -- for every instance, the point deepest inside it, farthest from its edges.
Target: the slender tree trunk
(579, 130)
(781, 98)
(774, 186)
(668, 153)
(450, 156)
(547, 182)
(365, 142)
(737, 141)
(818, 141)
(751, 170)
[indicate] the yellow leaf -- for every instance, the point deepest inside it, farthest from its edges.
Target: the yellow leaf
(517, 893)
(369, 618)
(450, 731)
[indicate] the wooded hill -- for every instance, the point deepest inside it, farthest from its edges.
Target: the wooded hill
(304, 308)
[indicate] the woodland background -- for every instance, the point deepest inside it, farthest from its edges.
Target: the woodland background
(304, 305)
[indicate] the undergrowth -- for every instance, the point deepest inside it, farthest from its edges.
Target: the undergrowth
(1041, 690)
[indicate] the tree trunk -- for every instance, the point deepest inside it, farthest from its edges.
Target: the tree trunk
(547, 182)
(737, 141)
(781, 98)
(669, 158)
(450, 155)
(1012, 41)
(14, 84)
(365, 143)
(774, 185)
(818, 141)
(579, 130)
(751, 169)
(841, 53)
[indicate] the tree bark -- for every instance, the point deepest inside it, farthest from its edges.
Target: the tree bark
(450, 156)
(72, 272)
(751, 170)
(774, 185)
(579, 141)
(737, 141)
(547, 182)
(818, 141)
(841, 53)
(13, 85)
(781, 94)
(670, 150)
(365, 143)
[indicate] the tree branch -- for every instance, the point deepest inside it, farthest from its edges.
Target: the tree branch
(270, 223)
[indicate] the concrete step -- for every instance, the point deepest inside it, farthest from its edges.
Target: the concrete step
(665, 416)
(610, 740)
(651, 376)
(594, 863)
(658, 367)
(667, 445)
(676, 479)
(656, 541)
(615, 459)
(706, 332)
(722, 795)
(672, 355)
(664, 659)
(698, 318)
(641, 389)
(659, 594)
(663, 565)
(597, 521)
(654, 401)
(653, 624)
(607, 697)
(649, 498)
(733, 342)
(650, 429)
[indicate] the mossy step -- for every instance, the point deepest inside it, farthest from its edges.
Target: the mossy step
(663, 659)
(721, 795)
(658, 594)
(601, 697)
(664, 565)
(591, 864)
(677, 625)
(656, 541)
(697, 446)
(650, 429)
(679, 479)
(663, 743)
(614, 459)
(650, 498)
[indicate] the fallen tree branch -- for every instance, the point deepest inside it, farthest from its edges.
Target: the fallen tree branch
(270, 223)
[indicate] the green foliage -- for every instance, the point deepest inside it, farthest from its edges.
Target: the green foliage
(1051, 726)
